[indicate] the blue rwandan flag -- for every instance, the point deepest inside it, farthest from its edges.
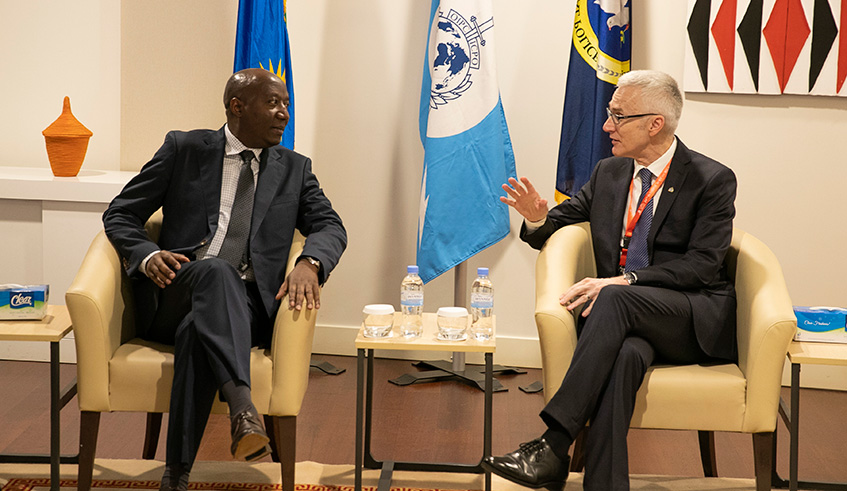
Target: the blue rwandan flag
(467, 151)
(600, 54)
(261, 41)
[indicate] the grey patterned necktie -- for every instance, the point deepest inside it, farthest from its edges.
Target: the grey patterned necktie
(234, 247)
(637, 255)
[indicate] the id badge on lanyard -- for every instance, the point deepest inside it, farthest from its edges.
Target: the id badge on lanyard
(633, 219)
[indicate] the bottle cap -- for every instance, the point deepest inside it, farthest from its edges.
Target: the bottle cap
(482, 271)
(452, 312)
(412, 269)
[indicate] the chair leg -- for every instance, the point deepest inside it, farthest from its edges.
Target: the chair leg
(151, 437)
(285, 435)
(707, 453)
(578, 460)
(269, 428)
(763, 461)
(89, 426)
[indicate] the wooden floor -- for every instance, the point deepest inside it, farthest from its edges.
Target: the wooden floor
(425, 422)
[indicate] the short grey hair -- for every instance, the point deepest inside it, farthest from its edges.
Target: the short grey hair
(659, 92)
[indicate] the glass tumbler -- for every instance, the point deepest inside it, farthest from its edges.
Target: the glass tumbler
(452, 323)
(377, 319)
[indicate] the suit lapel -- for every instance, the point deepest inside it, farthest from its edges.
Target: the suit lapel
(210, 168)
(671, 188)
(271, 170)
(621, 177)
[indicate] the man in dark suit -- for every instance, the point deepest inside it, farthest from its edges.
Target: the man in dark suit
(231, 200)
(661, 223)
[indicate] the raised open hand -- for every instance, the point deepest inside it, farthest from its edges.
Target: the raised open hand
(525, 199)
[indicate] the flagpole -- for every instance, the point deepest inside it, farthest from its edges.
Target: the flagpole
(460, 299)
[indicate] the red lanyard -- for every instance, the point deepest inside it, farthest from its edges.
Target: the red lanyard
(633, 219)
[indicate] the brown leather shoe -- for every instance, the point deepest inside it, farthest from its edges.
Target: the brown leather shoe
(249, 440)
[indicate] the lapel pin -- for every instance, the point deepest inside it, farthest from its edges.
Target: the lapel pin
(670, 189)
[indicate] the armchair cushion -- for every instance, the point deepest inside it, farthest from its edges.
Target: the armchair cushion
(711, 397)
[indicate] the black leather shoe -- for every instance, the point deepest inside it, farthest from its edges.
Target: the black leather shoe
(175, 478)
(533, 465)
(249, 440)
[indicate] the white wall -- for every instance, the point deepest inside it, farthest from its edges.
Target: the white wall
(53, 49)
(357, 70)
(175, 59)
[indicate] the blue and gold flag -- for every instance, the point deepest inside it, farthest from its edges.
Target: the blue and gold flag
(467, 151)
(600, 53)
(261, 41)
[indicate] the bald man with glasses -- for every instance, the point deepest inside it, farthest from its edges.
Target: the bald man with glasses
(661, 223)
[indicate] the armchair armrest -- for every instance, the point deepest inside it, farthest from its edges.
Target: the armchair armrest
(96, 302)
(291, 349)
(766, 325)
(566, 258)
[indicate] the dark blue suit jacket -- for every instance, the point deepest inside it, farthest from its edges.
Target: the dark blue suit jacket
(689, 237)
(184, 179)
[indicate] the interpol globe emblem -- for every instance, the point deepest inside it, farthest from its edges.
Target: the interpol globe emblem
(455, 54)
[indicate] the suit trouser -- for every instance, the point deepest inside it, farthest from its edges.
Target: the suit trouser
(629, 327)
(211, 317)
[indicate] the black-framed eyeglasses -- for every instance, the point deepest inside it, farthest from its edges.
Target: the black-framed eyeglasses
(617, 118)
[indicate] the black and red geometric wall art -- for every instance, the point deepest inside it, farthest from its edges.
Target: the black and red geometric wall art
(767, 47)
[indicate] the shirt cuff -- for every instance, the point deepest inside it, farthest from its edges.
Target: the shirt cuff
(143, 266)
(533, 226)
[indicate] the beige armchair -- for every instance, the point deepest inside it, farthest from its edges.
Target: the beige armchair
(117, 371)
(742, 397)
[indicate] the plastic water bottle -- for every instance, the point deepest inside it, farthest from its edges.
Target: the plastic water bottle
(482, 306)
(411, 304)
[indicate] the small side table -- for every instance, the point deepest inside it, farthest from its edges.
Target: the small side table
(52, 328)
(364, 399)
(800, 353)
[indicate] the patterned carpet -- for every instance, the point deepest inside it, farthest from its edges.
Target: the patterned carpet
(113, 475)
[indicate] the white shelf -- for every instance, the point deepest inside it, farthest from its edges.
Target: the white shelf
(35, 183)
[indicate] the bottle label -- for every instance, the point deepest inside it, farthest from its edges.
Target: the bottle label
(482, 300)
(412, 299)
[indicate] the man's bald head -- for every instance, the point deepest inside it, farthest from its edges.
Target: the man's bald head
(242, 84)
(256, 103)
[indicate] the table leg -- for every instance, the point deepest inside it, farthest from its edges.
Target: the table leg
(55, 408)
(795, 427)
(364, 427)
(360, 378)
(369, 461)
(486, 435)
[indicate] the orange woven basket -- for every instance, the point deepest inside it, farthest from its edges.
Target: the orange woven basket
(67, 141)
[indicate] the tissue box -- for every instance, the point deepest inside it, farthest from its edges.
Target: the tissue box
(19, 302)
(821, 324)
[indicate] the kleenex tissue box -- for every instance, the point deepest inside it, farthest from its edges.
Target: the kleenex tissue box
(19, 302)
(821, 324)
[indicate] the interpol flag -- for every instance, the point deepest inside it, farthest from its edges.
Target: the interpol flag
(467, 151)
(600, 54)
(261, 41)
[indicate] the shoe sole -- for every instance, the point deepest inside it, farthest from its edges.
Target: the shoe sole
(252, 446)
(550, 486)
(266, 450)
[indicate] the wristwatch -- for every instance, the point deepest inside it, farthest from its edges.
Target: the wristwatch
(630, 277)
(314, 262)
